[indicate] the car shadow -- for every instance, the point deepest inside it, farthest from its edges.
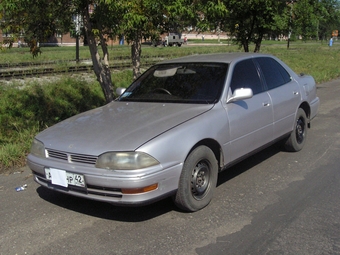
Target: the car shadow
(142, 213)
(106, 210)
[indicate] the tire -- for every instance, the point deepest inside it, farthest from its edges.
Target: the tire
(198, 180)
(297, 138)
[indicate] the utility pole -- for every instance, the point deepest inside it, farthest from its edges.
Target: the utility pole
(77, 48)
(77, 25)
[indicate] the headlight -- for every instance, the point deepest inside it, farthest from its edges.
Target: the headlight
(125, 160)
(38, 149)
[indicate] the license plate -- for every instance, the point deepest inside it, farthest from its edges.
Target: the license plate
(64, 178)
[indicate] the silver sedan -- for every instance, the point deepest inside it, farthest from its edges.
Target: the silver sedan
(175, 128)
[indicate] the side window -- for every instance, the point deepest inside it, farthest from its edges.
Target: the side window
(245, 75)
(274, 74)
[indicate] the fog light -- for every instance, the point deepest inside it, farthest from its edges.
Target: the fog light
(140, 190)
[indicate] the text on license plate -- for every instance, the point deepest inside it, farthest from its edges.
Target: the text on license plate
(63, 178)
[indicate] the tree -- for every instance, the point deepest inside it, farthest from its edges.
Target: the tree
(148, 19)
(39, 20)
(306, 18)
(329, 18)
(99, 20)
(251, 20)
(211, 15)
(135, 20)
(283, 22)
(248, 21)
(178, 15)
(141, 19)
(102, 19)
(315, 19)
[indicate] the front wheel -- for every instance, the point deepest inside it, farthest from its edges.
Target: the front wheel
(297, 138)
(198, 180)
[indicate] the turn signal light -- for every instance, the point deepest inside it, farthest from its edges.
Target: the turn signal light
(140, 190)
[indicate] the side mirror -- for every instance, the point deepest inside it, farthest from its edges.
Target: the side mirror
(120, 91)
(240, 94)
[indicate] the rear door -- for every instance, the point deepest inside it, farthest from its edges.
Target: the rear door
(250, 120)
(284, 93)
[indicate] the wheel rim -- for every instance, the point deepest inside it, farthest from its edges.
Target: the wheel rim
(300, 130)
(200, 180)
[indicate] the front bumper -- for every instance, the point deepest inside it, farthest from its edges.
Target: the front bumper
(107, 185)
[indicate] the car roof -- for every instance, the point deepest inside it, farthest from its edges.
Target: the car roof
(215, 57)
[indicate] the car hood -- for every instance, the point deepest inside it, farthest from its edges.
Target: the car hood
(118, 126)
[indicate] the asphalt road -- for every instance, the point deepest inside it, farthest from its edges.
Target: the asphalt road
(272, 203)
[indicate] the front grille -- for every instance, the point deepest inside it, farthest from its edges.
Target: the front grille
(57, 154)
(85, 159)
(72, 158)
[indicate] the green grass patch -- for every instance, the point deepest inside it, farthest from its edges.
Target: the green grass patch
(316, 59)
(122, 78)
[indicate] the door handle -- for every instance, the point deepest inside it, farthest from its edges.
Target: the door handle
(296, 93)
(265, 104)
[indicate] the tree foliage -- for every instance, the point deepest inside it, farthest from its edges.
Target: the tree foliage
(147, 19)
(329, 18)
(36, 20)
(99, 19)
(249, 21)
(141, 20)
(306, 18)
(211, 15)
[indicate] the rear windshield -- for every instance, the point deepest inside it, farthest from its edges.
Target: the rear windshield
(179, 83)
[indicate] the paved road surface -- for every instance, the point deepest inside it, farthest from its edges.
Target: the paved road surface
(273, 203)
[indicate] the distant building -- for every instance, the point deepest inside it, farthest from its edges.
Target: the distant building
(57, 40)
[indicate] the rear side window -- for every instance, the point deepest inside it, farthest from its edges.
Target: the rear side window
(274, 74)
(245, 75)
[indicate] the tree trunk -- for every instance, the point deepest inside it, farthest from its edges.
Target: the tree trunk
(136, 51)
(100, 66)
(258, 44)
(257, 47)
(245, 44)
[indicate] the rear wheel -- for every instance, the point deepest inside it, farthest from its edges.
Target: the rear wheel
(297, 138)
(198, 180)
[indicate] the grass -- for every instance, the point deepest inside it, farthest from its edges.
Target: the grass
(22, 55)
(28, 109)
(318, 60)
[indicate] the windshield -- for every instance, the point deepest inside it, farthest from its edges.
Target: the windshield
(182, 83)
